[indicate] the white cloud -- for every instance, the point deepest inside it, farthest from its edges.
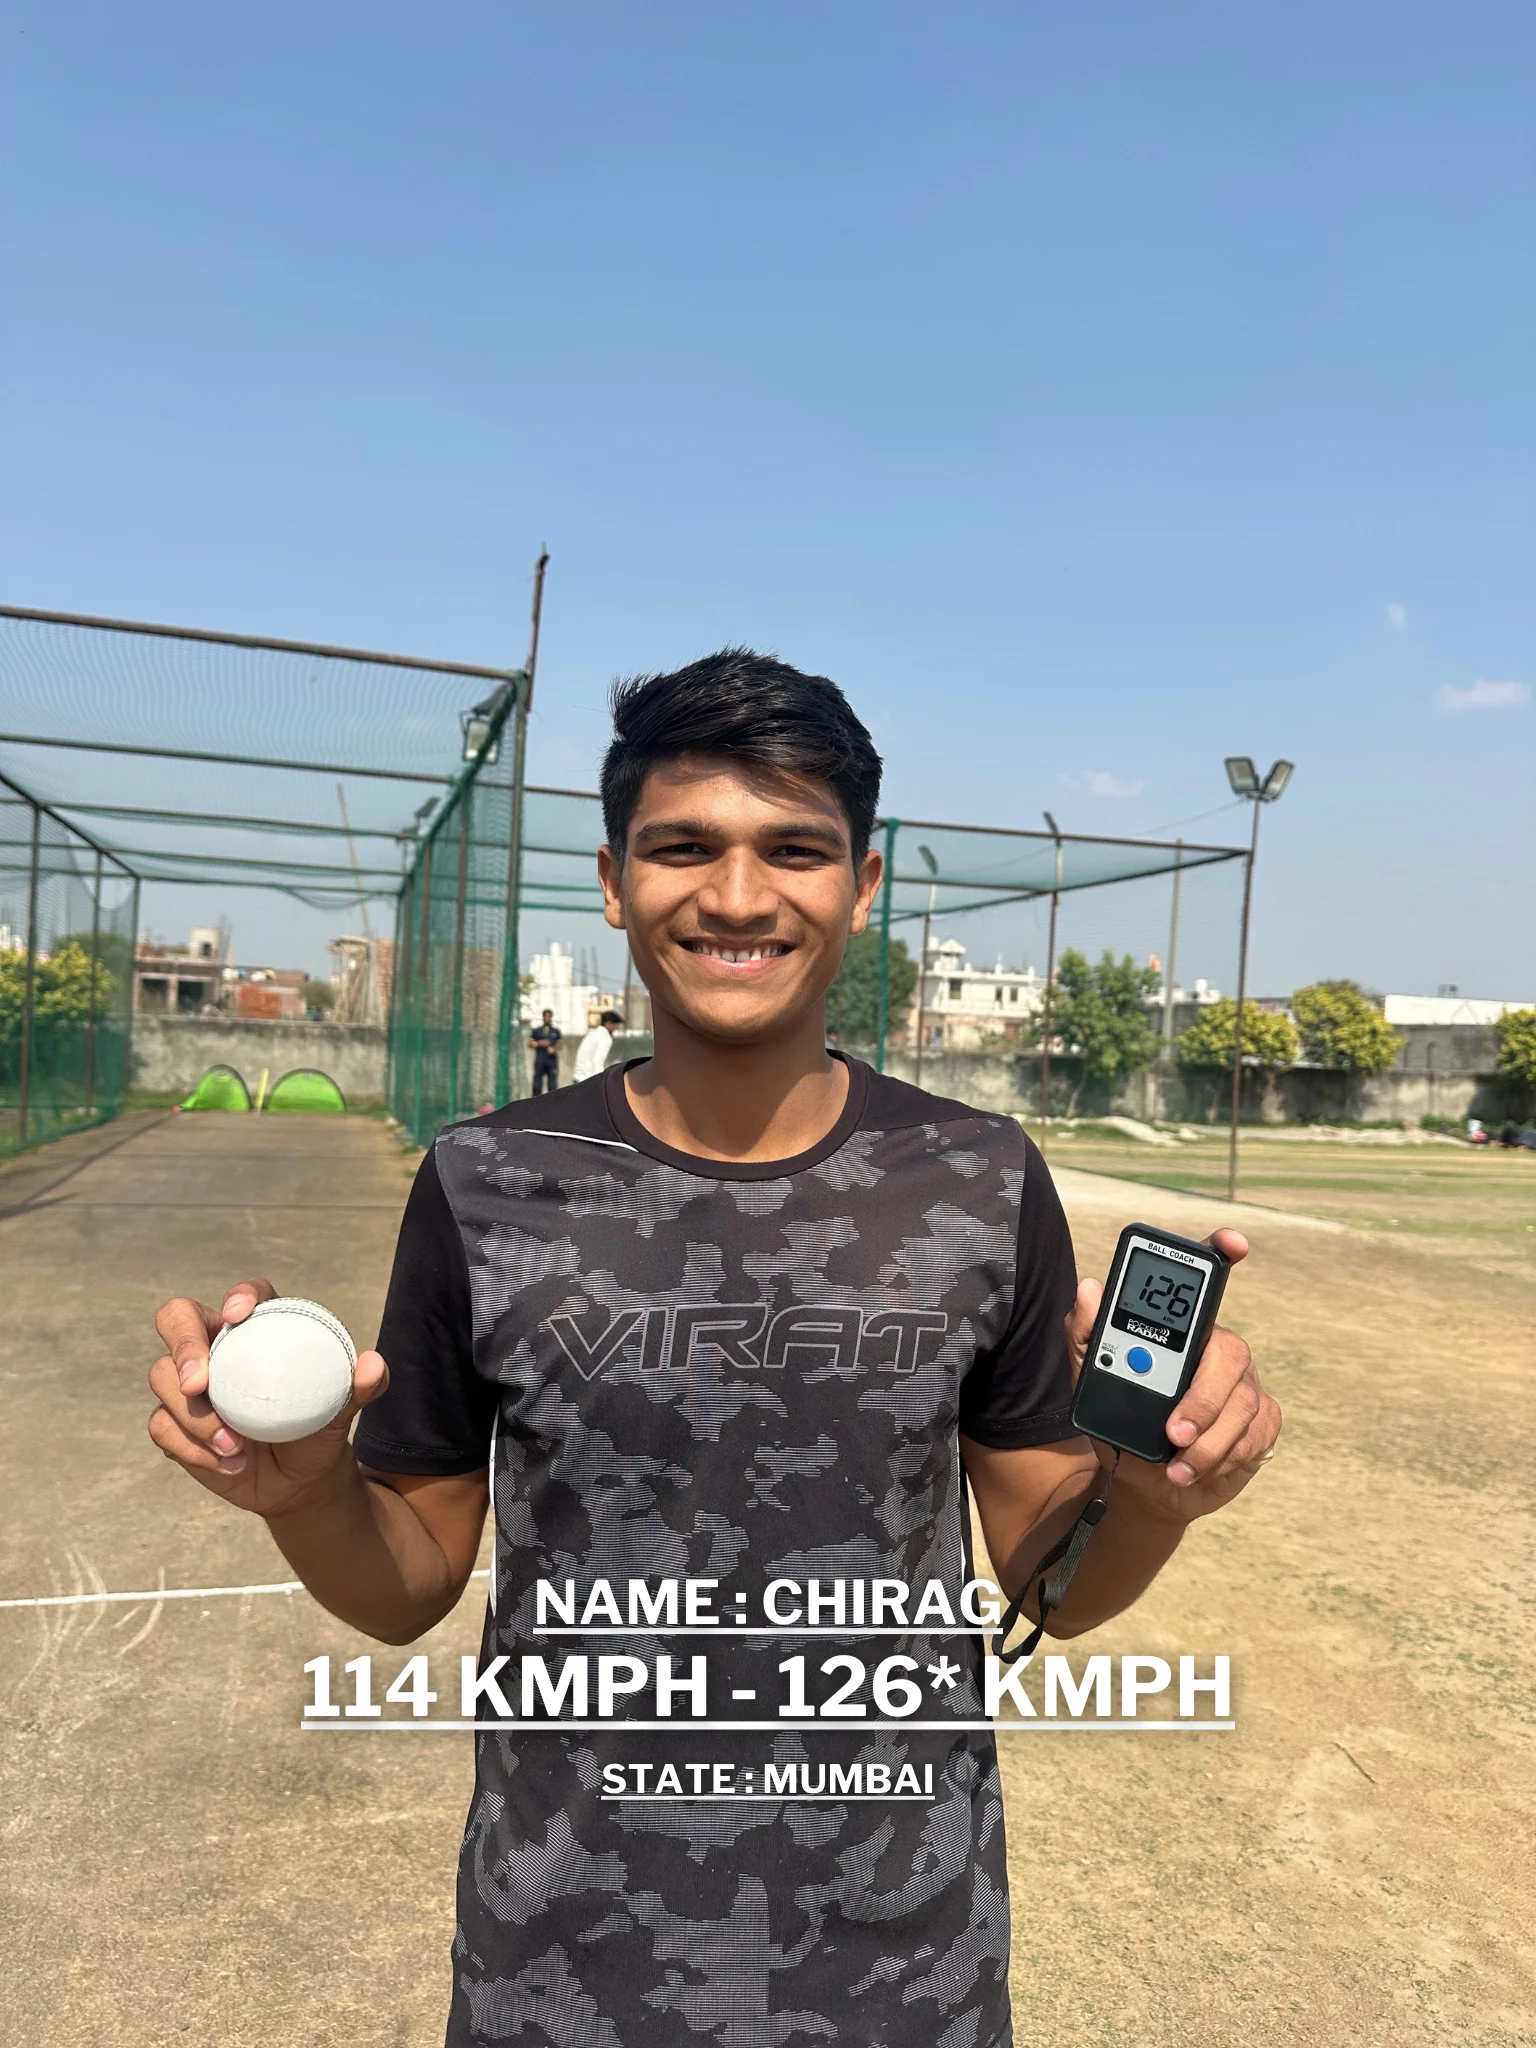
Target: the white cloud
(1099, 782)
(1397, 617)
(1483, 696)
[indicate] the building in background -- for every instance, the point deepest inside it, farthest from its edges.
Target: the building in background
(551, 984)
(966, 1008)
(200, 979)
(183, 981)
(1449, 1008)
(363, 978)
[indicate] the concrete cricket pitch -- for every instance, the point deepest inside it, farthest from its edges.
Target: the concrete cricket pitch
(1353, 1865)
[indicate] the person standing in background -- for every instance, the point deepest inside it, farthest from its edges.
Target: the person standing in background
(592, 1053)
(545, 1039)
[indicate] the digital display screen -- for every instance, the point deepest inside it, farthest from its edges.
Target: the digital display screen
(1158, 1298)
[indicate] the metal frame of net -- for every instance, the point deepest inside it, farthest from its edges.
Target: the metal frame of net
(68, 918)
(264, 721)
(454, 1050)
(220, 759)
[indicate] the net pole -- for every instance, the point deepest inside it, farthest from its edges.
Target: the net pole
(1050, 1007)
(1242, 985)
(892, 827)
(922, 987)
(1046, 1025)
(133, 954)
(396, 979)
(508, 1028)
(523, 685)
(90, 1014)
(421, 983)
(24, 1075)
(1173, 953)
(458, 959)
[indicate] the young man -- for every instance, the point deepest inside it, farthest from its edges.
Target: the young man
(592, 1053)
(743, 1313)
(545, 1039)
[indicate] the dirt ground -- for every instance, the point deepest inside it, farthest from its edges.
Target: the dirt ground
(1353, 1865)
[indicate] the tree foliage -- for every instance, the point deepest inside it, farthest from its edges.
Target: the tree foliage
(1099, 1013)
(1269, 1038)
(1515, 1032)
(61, 990)
(1341, 1027)
(853, 1001)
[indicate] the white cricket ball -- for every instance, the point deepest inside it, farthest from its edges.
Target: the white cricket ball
(284, 1372)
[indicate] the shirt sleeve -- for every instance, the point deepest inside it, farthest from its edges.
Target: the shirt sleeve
(1021, 1393)
(438, 1413)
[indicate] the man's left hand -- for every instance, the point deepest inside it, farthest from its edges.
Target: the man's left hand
(1222, 1430)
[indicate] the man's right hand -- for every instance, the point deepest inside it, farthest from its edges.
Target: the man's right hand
(264, 1479)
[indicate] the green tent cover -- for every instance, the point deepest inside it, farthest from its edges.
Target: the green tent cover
(220, 1088)
(306, 1091)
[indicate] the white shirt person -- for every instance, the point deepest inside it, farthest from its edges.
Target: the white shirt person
(592, 1053)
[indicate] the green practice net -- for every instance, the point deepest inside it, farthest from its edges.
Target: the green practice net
(1074, 963)
(67, 923)
(306, 1092)
(221, 1088)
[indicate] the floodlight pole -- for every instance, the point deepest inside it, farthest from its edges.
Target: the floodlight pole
(892, 828)
(1242, 985)
(89, 1089)
(24, 1074)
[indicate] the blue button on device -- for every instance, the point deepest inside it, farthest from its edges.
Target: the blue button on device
(1139, 1358)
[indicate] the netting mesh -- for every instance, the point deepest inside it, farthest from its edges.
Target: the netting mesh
(234, 750)
(452, 1046)
(980, 901)
(335, 777)
(67, 922)
(1162, 920)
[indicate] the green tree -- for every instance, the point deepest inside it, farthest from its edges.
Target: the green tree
(1100, 1015)
(1341, 1027)
(319, 995)
(61, 990)
(1516, 1035)
(853, 1001)
(113, 949)
(1269, 1038)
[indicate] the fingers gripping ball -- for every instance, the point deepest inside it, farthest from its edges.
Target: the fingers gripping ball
(284, 1372)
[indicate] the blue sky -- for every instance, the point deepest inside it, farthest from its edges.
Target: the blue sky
(1093, 391)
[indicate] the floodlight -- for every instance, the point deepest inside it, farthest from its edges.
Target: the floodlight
(1275, 781)
(928, 860)
(1242, 775)
(476, 724)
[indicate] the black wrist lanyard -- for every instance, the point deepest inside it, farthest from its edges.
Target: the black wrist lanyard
(1051, 1585)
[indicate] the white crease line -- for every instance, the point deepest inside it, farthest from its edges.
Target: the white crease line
(164, 1593)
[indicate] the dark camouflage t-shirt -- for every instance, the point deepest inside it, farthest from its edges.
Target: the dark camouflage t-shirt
(686, 1370)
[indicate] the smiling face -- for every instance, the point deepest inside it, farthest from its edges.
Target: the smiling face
(738, 893)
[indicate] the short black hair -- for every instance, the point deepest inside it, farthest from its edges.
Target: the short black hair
(610, 1017)
(741, 707)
